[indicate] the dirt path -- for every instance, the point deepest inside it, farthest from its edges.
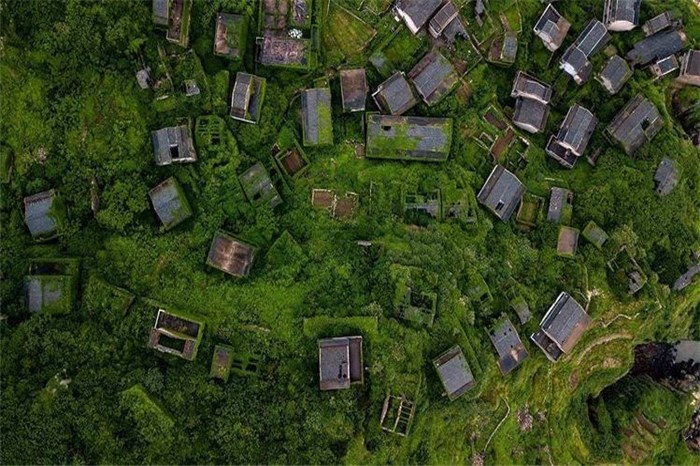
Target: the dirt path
(602, 341)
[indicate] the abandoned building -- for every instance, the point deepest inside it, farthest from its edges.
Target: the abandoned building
(230, 35)
(51, 285)
(161, 12)
(621, 15)
(639, 121)
(230, 255)
(416, 13)
(529, 87)
(433, 77)
(687, 278)
(191, 88)
(511, 350)
(173, 145)
(531, 105)
(395, 95)
(666, 177)
(44, 215)
(561, 205)
(397, 415)
(170, 203)
(323, 198)
(247, 97)
(530, 115)
(576, 59)
(454, 372)
(292, 160)
(562, 327)
(665, 20)
(690, 68)
(573, 136)
(284, 51)
(179, 16)
(657, 46)
(552, 28)
(176, 334)
(143, 78)
(221, 362)
(408, 138)
(416, 206)
(615, 74)
(258, 187)
(567, 242)
(340, 362)
(596, 235)
(316, 122)
(509, 47)
(663, 67)
(501, 193)
(521, 308)
(353, 89)
(443, 19)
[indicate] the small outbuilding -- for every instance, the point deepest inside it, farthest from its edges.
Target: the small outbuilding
(562, 327)
(443, 19)
(511, 350)
(666, 177)
(615, 74)
(258, 187)
(247, 97)
(660, 22)
(395, 95)
(176, 334)
(51, 286)
(230, 35)
(353, 89)
(230, 255)
(561, 205)
(567, 242)
(501, 193)
(596, 235)
(454, 372)
(44, 215)
(433, 77)
(170, 203)
(340, 362)
(664, 66)
(316, 117)
(173, 144)
(221, 362)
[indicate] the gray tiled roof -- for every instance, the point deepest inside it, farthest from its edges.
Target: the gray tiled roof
(530, 115)
(637, 122)
(552, 28)
(577, 129)
(660, 45)
(395, 96)
(528, 86)
(615, 74)
(666, 176)
(316, 116)
(565, 322)
(174, 138)
(576, 64)
(161, 12)
(45, 292)
(501, 193)
(39, 215)
(340, 362)
(433, 76)
(658, 23)
(353, 89)
(241, 94)
(557, 199)
(412, 138)
(443, 18)
(419, 11)
(258, 186)
(170, 203)
(454, 372)
(593, 38)
(510, 349)
(622, 10)
(690, 67)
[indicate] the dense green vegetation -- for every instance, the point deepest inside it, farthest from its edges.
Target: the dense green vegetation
(74, 119)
